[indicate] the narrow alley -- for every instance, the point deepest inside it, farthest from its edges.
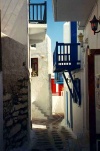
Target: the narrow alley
(50, 136)
(50, 75)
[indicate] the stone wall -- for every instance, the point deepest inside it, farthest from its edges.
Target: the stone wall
(15, 93)
(16, 115)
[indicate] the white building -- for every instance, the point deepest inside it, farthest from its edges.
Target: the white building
(84, 118)
(40, 80)
(71, 107)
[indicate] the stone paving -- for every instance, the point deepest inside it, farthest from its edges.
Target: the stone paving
(51, 138)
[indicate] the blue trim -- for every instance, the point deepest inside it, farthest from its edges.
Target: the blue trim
(67, 106)
(38, 12)
(67, 102)
(76, 94)
(71, 113)
(58, 78)
(66, 80)
(65, 57)
(74, 40)
(73, 32)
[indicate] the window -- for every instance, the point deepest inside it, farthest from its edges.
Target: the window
(34, 66)
(58, 78)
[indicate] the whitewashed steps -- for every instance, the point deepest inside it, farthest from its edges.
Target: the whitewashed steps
(37, 112)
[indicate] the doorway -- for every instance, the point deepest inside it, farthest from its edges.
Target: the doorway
(94, 98)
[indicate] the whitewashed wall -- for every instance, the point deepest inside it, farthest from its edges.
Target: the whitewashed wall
(93, 40)
(77, 111)
(40, 85)
(58, 104)
(14, 17)
(79, 114)
(57, 101)
(66, 32)
(82, 113)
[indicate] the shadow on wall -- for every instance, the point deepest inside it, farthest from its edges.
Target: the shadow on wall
(15, 93)
(14, 58)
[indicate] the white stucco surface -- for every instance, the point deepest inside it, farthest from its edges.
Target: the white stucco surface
(93, 43)
(66, 31)
(14, 17)
(93, 40)
(40, 85)
(36, 113)
(37, 32)
(79, 113)
(57, 104)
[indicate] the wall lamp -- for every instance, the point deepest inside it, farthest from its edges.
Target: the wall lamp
(94, 24)
(80, 38)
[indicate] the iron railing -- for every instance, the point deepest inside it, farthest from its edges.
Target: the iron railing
(38, 13)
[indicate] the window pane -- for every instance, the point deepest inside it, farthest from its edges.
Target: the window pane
(34, 66)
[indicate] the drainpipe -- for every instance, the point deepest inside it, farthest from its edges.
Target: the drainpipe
(1, 94)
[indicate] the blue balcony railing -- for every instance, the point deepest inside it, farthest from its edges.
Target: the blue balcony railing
(38, 13)
(66, 57)
(59, 78)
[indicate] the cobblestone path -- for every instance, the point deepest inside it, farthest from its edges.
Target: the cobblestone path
(48, 135)
(52, 137)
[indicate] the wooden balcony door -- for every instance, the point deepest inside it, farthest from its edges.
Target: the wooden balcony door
(94, 98)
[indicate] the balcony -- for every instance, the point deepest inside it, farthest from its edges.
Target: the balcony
(74, 10)
(58, 78)
(37, 22)
(38, 13)
(66, 57)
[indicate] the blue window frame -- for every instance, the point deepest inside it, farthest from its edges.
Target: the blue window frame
(58, 78)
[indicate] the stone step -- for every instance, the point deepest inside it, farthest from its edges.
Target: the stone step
(36, 113)
(41, 110)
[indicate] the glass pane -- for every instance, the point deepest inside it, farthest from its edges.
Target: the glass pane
(97, 92)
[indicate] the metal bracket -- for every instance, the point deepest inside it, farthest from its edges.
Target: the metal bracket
(74, 86)
(66, 79)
